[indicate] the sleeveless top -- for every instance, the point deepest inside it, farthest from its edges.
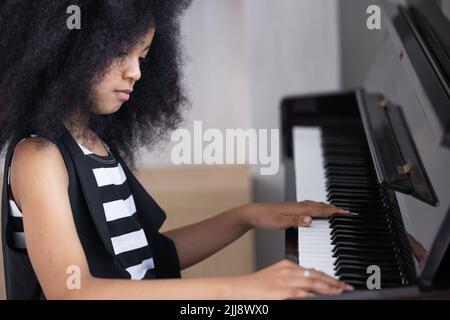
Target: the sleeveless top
(117, 222)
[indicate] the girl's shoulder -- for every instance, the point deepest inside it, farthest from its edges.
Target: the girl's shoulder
(35, 149)
(36, 162)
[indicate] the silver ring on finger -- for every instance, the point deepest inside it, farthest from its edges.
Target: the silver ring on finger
(306, 273)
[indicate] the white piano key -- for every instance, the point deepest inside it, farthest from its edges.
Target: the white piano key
(314, 242)
(309, 171)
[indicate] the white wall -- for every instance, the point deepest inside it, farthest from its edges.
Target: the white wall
(215, 73)
(245, 55)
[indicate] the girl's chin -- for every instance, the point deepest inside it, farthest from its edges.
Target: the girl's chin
(108, 111)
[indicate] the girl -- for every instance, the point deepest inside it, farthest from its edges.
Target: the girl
(75, 106)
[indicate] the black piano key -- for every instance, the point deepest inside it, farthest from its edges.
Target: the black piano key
(345, 183)
(355, 200)
(350, 179)
(348, 195)
(362, 270)
(385, 282)
(328, 142)
(368, 212)
(363, 229)
(361, 257)
(342, 231)
(356, 207)
(366, 264)
(352, 184)
(358, 162)
(335, 239)
(348, 153)
(369, 223)
(346, 187)
(362, 251)
(348, 171)
(361, 242)
(358, 218)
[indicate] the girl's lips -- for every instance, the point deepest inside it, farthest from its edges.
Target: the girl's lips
(123, 95)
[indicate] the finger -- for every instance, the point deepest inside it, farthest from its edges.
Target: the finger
(313, 203)
(319, 275)
(326, 210)
(331, 206)
(303, 221)
(306, 221)
(323, 287)
(313, 209)
(314, 285)
(320, 209)
(336, 210)
(330, 280)
(300, 294)
(295, 221)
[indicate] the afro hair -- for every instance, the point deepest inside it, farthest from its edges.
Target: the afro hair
(48, 71)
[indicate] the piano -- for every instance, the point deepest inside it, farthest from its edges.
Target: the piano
(382, 151)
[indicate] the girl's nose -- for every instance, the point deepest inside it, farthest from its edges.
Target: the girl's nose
(132, 70)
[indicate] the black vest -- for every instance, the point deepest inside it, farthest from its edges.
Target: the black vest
(91, 225)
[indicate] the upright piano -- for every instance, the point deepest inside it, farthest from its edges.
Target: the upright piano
(381, 151)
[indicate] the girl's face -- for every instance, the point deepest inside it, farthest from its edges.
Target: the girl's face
(117, 85)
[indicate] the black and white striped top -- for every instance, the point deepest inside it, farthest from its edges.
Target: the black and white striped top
(127, 235)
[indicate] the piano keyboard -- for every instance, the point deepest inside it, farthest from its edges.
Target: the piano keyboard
(335, 166)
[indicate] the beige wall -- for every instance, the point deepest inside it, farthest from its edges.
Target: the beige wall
(190, 194)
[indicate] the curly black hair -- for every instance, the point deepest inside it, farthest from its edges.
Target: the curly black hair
(47, 71)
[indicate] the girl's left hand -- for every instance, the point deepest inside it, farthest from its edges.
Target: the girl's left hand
(280, 216)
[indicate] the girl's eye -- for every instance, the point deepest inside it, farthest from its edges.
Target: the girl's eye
(142, 59)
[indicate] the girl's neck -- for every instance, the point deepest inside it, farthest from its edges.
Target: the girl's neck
(82, 134)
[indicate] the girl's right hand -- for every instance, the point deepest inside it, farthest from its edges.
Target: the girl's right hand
(286, 280)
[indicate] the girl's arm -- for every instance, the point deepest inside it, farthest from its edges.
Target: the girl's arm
(39, 183)
(198, 241)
